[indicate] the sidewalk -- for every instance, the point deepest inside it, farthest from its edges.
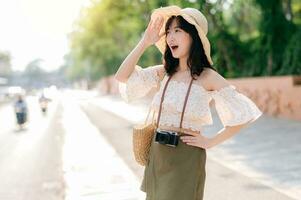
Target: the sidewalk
(266, 152)
(93, 169)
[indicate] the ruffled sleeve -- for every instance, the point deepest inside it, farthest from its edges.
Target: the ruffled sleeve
(140, 82)
(233, 107)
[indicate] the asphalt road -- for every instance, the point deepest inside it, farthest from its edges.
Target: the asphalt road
(82, 150)
(30, 160)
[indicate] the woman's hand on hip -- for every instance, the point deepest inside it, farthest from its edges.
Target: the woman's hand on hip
(152, 32)
(197, 140)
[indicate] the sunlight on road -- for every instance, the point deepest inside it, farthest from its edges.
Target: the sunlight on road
(92, 167)
(130, 112)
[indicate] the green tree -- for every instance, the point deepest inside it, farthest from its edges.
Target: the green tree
(248, 37)
(292, 56)
(275, 33)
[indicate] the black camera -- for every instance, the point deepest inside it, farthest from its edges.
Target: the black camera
(169, 138)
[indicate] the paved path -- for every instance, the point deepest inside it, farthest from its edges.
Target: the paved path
(30, 160)
(60, 156)
(83, 151)
(93, 169)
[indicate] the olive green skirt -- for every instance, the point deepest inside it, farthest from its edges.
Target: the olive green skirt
(174, 173)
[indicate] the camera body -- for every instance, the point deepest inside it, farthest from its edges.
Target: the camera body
(169, 138)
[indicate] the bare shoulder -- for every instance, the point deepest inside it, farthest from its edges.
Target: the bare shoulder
(212, 80)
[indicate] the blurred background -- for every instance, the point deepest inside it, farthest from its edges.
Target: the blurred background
(65, 133)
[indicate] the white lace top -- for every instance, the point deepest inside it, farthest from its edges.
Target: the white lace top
(233, 107)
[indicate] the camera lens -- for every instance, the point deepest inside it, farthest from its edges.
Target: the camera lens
(161, 138)
(167, 138)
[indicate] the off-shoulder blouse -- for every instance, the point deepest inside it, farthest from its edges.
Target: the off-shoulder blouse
(233, 107)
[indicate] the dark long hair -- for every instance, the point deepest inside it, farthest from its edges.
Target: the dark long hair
(197, 59)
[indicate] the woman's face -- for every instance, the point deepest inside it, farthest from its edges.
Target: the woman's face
(178, 40)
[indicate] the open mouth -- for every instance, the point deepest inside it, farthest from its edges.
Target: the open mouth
(174, 47)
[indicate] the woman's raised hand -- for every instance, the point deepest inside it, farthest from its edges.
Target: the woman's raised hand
(151, 36)
(152, 32)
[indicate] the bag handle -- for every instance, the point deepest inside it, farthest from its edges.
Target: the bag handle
(149, 110)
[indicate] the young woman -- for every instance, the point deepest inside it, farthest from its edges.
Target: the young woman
(185, 77)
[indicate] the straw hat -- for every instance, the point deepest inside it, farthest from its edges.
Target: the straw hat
(192, 16)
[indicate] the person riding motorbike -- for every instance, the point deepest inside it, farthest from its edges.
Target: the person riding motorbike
(21, 111)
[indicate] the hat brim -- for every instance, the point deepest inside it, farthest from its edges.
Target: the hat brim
(166, 13)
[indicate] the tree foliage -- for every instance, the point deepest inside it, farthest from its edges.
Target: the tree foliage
(248, 37)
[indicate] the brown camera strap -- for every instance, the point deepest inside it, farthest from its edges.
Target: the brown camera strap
(184, 106)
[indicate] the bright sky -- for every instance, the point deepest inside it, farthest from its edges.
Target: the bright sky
(31, 29)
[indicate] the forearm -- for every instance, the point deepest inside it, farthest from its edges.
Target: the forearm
(128, 65)
(225, 134)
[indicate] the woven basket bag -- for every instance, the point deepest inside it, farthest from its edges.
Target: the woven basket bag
(142, 137)
(143, 134)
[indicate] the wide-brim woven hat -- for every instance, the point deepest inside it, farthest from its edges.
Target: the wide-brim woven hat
(192, 16)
